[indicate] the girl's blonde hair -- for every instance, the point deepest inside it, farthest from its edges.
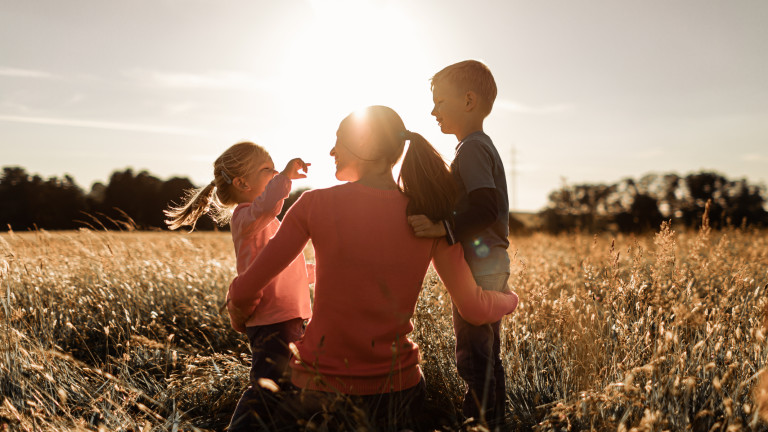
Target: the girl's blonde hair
(217, 199)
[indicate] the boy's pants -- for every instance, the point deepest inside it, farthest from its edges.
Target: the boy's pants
(478, 359)
(269, 347)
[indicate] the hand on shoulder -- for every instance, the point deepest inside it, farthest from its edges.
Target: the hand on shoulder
(424, 227)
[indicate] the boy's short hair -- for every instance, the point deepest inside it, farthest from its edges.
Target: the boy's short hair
(470, 75)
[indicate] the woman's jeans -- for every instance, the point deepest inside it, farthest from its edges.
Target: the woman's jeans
(293, 409)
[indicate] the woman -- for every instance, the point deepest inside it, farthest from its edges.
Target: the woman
(369, 265)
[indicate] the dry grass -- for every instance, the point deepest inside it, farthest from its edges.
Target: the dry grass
(122, 331)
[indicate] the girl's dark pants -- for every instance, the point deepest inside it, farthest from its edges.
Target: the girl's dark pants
(269, 346)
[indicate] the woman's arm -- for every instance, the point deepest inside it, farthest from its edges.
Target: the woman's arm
(475, 305)
(245, 291)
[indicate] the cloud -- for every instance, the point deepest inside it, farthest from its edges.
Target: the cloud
(649, 153)
(753, 157)
(97, 124)
(216, 80)
(180, 108)
(513, 106)
(24, 73)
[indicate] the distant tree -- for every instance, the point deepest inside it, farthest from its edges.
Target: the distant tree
(584, 207)
(14, 188)
(173, 191)
(29, 202)
(732, 202)
(292, 198)
(136, 196)
(634, 206)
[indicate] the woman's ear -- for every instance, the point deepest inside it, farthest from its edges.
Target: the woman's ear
(470, 100)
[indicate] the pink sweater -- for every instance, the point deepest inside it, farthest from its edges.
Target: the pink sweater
(370, 269)
(253, 224)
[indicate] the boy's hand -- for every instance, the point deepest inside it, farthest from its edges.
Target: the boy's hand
(292, 169)
(423, 227)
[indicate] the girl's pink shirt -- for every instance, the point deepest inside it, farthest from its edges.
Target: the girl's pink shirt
(370, 270)
(253, 224)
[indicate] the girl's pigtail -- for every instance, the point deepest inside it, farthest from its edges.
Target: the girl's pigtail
(197, 202)
(426, 180)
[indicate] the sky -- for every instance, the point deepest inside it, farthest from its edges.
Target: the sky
(590, 91)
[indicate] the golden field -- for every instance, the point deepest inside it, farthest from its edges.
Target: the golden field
(124, 331)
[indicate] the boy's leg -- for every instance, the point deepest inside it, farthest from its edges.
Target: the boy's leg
(269, 348)
(478, 360)
(474, 363)
(500, 379)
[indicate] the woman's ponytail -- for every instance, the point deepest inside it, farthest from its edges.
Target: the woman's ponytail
(426, 180)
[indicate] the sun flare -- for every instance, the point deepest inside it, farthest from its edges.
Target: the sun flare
(349, 55)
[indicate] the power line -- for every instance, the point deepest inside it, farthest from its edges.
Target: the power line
(513, 175)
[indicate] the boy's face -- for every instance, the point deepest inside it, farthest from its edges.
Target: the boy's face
(449, 107)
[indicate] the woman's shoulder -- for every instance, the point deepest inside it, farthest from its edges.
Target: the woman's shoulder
(347, 194)
(348, 189)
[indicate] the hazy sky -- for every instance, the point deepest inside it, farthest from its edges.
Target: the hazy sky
(589, 90)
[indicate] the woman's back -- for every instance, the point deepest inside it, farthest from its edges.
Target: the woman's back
(370, 269)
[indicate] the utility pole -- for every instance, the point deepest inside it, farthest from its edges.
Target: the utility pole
(513, 176)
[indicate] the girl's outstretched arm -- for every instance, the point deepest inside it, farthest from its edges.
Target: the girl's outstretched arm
(475, 305)
(265, 207)
(269, 204)
(245, 291)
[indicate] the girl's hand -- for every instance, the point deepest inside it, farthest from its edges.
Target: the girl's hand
(292, 169)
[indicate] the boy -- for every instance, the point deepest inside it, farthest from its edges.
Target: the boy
(463, 94)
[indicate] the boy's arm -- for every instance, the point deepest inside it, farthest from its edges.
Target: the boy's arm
(479, 216)
(474, 164)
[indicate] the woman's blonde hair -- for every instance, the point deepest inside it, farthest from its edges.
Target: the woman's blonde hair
(217, 199)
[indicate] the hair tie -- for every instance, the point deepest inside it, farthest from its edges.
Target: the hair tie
(406, 135)
(226, 177)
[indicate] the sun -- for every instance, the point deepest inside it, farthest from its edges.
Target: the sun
(352, 54)
(348, 55)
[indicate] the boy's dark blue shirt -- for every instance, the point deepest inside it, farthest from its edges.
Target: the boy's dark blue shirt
(477, 165)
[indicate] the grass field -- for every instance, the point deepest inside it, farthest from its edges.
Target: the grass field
(123, 331)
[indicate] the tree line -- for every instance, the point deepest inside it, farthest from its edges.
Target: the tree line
(136, 201)
(129, 201)
(632, 205)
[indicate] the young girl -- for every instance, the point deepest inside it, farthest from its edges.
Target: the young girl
(244, 178)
